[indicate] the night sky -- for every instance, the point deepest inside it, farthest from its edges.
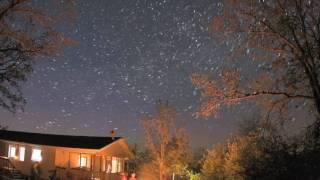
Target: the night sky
(129, 54)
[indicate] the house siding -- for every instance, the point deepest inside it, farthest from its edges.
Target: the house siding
(47, 163)
(3, 149)
(59, 158)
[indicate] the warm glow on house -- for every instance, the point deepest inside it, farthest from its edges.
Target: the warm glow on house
(82, 157)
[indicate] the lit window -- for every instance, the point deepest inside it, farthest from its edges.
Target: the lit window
(108, 164)
(12, 151)
(115, 165)
(119, 165)
(36, 155)
(22, 151)
(83, 162)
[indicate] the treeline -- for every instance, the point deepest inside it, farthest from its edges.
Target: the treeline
(263, 154)
(256, 151)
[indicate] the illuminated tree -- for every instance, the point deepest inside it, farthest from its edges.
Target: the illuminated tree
(165, 143)
(253, 154)
(212, 166)
(282, 37)
(27, 31)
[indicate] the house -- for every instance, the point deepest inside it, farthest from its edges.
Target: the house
(64, 156)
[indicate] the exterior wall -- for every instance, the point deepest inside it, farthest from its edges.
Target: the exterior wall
(47, 163)
(3, 149)
(62, 159)
(67, 161)
(70, 157)
(118, 149)
(67, 166)
(99, 161)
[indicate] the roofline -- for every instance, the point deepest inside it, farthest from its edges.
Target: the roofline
(120, 139)
(106, 146)
(44, 145)
(60, 134)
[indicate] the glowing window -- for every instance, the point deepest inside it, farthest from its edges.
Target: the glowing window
(22, 152)
(36, 155)
(12, 151)
(83, 162)
(115, 165)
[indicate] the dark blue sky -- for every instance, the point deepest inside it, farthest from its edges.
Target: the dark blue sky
(130, 53)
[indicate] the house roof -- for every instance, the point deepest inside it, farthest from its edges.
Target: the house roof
(85, 142)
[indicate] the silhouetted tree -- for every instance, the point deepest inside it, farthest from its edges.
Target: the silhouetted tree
(283, 36)
(27, 31)
(254, 154)
(3, 127)
(194, 160)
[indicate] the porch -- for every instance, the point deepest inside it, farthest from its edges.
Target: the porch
(8, 170)
(83, 166)
(81, 174)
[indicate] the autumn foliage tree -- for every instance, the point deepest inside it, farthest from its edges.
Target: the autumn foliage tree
(283, 37)
(165, 143)
(251, 154)
(27, 31)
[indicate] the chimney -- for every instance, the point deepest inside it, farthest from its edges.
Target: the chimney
(113, 133)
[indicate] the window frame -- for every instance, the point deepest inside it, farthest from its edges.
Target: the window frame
(10, 151)
(24, 153)
(32, 155)
(81, 164)
(116, 165)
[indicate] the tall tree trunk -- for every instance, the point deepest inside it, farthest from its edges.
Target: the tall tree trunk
(161, 174)
(315, 86)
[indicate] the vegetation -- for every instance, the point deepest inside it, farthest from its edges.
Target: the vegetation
(260, 155)
(282, 37)
(26, 32)
(165, 143)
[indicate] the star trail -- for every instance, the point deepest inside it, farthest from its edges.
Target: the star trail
(129, 54)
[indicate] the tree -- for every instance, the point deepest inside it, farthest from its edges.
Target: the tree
(253, 154)
(194, 159)
(191, 175)
(213, 161)
(283, 37)
(249, 155)
(165, 143)
(27, 31)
